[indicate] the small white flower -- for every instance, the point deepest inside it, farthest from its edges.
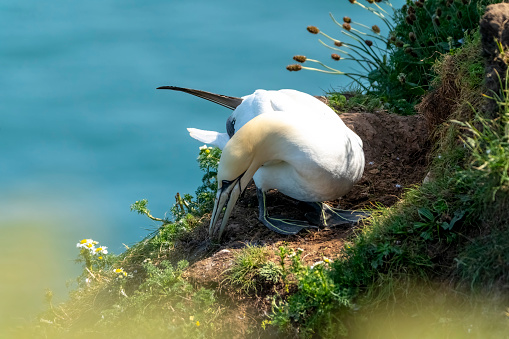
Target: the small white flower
(488, 151)
(120, 272)
(300, 249)
(316, 264)
(371, 163)
(83, 242)
(439, 156)
(398, 186)
(101, 250)
(204, 147)
(87, 244)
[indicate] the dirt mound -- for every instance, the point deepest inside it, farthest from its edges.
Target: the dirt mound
(395, 148)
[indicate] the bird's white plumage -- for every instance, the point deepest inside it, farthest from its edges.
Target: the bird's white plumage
(285, 140)
(324, 157)
(209, 137)
(307, 157)
(264, 101)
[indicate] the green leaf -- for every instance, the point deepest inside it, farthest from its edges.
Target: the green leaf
(426, 214)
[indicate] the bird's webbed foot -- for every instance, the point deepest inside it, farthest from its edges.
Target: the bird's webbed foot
(327, 216)
(278, 225)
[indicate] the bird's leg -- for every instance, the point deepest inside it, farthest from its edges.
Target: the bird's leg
(282, 226)
(330, 216)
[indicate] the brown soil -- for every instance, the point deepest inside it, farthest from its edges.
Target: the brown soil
(395, 151)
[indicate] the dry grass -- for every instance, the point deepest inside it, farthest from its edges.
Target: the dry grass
(457, 90)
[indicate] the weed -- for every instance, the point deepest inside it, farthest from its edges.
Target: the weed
(354, 100)
(250, 268)
(271, 272)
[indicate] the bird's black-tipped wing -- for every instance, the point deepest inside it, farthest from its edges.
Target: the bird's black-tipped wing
(223, 100)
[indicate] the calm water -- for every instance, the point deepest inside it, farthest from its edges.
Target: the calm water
(84, 133)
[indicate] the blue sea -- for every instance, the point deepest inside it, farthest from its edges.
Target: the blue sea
(84, 133)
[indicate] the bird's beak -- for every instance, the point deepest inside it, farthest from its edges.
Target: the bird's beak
(227, 195)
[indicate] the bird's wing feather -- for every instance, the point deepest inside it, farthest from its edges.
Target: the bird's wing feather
(223, 100)
(209, 137)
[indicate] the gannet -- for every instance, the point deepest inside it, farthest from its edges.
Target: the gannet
(302, 149)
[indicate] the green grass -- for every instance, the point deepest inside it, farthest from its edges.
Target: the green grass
(251, 268)
(353, 100)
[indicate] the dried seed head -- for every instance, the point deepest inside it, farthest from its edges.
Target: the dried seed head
(399, 43)
(419, 4)
(449, 3)
(408, 50)
(411, 9)
(436, 20)
(352, 1)
(368, 42)
(335, 56)
(313, 30)
(465, 2)
(299, 58)
(409, 21)
(338, 43)
(378, 0)
(438, 12)
(414, 54)
(392, 38)
(347, 19)
(347, 26)
(375, 29)
(294, 68)
(421, 1)
(413, 17)
(448, 17)
(371, 1)
(411, 36)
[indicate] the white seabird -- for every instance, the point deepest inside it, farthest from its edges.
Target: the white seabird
(302, 149)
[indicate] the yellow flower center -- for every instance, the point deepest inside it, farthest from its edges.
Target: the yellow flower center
(197, 323)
